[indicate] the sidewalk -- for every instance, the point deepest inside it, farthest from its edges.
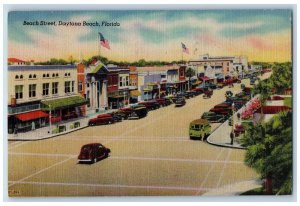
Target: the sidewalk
(44, 132)
(234, 189)
(221, 136)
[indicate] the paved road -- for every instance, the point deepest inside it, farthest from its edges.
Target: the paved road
(150, 156)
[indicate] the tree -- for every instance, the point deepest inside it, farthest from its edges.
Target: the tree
(282, 76)
(269, 151)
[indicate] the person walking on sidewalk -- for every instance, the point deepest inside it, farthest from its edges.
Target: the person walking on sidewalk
(231, 138)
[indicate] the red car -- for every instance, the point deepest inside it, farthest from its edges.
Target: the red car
(101, 119)
(93, 152)
(163, 101)
(223, 109)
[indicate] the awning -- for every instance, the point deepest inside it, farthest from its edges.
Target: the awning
(31, 115)
(147, 90)
(196, 82)
(117, 97)
(63, 103)
(135, 93)
(151, 84)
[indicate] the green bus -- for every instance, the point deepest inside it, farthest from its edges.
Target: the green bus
(199, 129)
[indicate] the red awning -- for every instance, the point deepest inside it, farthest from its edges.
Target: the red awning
(204, 78)
(31, 115)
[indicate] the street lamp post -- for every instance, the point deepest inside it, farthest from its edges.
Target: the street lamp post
(50, 119)
(124, 93)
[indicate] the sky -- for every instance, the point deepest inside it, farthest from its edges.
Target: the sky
(261, 35)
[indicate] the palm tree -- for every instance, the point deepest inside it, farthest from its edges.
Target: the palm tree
(270, 151)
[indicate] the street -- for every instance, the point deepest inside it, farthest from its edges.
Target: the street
(149, 156)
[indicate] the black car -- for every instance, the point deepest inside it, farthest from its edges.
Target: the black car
(213, 117)
(180, 102)
(212, 86)
(118, 116)
(191, 93)
(228, 94)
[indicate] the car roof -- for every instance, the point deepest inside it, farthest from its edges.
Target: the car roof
(200, 121)
(91, 144)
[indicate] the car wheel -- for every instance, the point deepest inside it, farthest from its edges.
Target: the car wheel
(109, 122)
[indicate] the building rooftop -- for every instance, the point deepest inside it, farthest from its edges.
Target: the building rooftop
(15, 60)
(157, 68)
(40, 67)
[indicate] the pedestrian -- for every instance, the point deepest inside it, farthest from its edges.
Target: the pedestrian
(15, 131)
(238, 116)
(33, 125)
(231, 137)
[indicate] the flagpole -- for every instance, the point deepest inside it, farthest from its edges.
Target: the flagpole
(99, 45)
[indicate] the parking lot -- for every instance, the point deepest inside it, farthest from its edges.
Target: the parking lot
(149, 156)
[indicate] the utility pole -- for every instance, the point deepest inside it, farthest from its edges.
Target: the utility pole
(50, 131)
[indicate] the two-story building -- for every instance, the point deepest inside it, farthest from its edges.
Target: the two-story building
(37, 93)
(118, 86)
(219, 67)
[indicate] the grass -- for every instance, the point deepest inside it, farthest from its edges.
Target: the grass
(288, 101)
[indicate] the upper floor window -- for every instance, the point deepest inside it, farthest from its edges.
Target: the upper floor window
(34, 76)
(19, 91)
(30, 76)
(45, 89)
(80, 86)
(44, 75)
(21, 76)
(56, 75)
(47, 75)
(120, 82)
(53, 75)
(17, 77)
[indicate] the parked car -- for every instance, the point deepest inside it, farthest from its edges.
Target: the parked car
(223, 109)
(136, 111)
(163, 101)
(118, 116)
(198, 91)
(219, 85)
(212, 85)
(199, 129)
(150, 105)
(208, 94)
(101, 119)
(228, 94)
(93, 152)
(213, 117)
(180, 101)
(191, 93)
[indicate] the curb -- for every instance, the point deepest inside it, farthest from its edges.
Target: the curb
(50, 136)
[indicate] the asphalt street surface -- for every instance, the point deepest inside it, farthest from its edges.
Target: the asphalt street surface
(149, 156)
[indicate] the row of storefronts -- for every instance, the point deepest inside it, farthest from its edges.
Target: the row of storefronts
(40, 94)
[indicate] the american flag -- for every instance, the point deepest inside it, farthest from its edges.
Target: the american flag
(104, 42)
(184, 48)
